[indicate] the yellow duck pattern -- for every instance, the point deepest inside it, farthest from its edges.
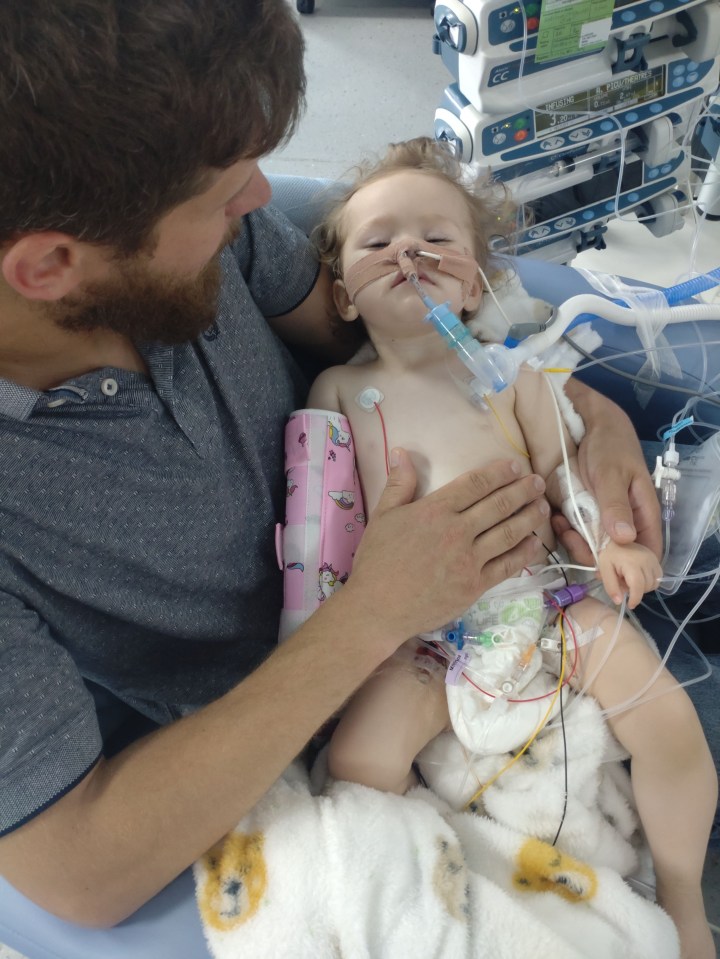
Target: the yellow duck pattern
(235, 880)
(543, 868)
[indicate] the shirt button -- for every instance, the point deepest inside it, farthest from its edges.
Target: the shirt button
(109, 386)
(55, 403)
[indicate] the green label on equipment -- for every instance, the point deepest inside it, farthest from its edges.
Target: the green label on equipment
(570, 27)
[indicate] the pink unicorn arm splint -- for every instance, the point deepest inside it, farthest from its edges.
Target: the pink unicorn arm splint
(325, 517)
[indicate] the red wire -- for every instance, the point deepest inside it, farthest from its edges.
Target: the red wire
(385, 442)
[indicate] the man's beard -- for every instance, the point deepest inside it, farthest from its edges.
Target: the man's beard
(143, 306)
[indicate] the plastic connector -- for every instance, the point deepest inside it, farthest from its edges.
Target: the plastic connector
(567, 595)
(550, 645)
(665, 476)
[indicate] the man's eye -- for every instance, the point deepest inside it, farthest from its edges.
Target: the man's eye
(438, 239)
(375, 245)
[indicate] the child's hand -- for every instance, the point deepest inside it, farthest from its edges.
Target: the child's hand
(631, 569)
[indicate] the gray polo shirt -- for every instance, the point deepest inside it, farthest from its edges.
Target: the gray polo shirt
(136, 527)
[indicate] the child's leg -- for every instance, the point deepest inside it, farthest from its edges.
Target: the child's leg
(388, 721)
(674, 781)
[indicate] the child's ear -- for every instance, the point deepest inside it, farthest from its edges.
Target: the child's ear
(347, 310)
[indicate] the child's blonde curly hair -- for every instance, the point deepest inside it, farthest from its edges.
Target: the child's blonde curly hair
(491, 212)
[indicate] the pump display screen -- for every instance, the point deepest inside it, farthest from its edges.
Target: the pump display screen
(616, 95)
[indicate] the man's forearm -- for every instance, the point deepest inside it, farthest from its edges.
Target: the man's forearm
(141, 818)
(138, 820)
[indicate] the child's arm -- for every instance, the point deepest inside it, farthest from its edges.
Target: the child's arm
(535, 410)
(630, 568)
(324, 394)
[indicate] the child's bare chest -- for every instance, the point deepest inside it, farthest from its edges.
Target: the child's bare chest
(442, 431)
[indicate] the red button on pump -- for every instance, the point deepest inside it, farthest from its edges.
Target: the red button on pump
(520, 136)
(533, 23)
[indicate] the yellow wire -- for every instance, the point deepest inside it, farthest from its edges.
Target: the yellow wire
(556, 369)
(502, 427)
(535, 734)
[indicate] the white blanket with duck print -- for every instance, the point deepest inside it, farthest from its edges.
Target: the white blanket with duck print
(341, 871)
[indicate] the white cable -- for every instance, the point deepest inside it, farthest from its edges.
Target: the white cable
(621, 707)
(561, 566)
(566, 462)
(607, 360)
(490, 290)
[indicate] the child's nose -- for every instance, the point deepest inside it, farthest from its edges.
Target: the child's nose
(409, 245)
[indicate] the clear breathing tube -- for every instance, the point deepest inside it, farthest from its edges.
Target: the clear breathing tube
(489, 365)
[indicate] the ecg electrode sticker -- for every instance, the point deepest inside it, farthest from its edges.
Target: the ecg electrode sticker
(571, 27)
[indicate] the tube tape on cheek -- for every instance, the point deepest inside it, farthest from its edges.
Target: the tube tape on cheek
(324, 513)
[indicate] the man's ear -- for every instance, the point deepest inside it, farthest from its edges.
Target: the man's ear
(44, 266)
(346, 310)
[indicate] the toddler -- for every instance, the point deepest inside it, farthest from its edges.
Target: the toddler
(415, 201)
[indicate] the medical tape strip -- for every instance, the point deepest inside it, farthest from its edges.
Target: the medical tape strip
(575, 637)
(383, 262)
(324, 513)
(589, 521)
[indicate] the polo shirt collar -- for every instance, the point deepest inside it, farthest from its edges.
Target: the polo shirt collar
(18, 402)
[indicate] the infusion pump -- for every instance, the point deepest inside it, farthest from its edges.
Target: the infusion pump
(584, 108)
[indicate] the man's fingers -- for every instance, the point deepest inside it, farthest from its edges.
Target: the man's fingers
(401, 482)
(506, 502)
(572, 542)
(646, 511)
(510, 563)
(471, 488)
(630, 514)
(504, 536)
(616, 512)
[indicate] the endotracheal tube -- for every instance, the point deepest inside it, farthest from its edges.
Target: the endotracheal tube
(488, 364)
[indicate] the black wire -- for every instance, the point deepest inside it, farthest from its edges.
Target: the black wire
(565, 752)
(554, 556)
(640, 379)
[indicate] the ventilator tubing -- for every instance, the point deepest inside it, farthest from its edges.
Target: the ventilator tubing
(698, 284)
(588, 303)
